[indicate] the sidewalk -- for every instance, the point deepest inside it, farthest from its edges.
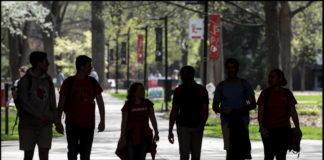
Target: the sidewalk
(105, 143)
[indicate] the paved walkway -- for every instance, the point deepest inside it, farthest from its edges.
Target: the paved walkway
(105, 143)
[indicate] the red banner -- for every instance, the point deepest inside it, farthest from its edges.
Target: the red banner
(214, 36)
(140, 49)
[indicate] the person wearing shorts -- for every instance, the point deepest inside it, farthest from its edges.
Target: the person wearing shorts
(37, 108)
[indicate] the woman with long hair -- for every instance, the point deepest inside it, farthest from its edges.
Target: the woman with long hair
(275, 107)
(136, 133)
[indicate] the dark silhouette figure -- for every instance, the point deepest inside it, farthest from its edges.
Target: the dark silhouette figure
(190, 111)
(36, 106)
(77, 96)
(136, 137)
(233, 94)
(275, 107)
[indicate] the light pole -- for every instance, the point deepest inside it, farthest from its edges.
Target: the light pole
(108, 46)
(116, 91)
(145, 56)
(127, 34)
(166, 88)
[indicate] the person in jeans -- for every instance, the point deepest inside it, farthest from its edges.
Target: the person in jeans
(77, 101)
(232, 94)
(37, 108)
(190, 111)
(136, 133)
(275, 106)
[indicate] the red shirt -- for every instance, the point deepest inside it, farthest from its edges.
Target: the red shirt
(138, 118)
(81, 105)
(276, 113)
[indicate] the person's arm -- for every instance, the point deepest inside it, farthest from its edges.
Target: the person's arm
(59, 126)
(154, 124)
(101, 107)
(250, 106)
(263, 130)
(173, 116)
(205, 114)
(123, 127)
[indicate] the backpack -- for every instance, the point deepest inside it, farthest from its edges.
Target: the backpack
(15, 95)
(70, 81)
(294, 145)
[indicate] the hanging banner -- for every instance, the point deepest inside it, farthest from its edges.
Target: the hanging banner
(159, 53)
(196, 29)
(214, 36)
(140, 48)
(111, 56)
(123, 53)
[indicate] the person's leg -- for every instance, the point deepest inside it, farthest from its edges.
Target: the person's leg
(268, 147)
(28, 155)
(72, 137)
(129, 147)
(43, 153)
(196, 141)
(282, 136)
(184, 142)
(142, 150)
(86, 139)
(44, 142)
(225, 132)
(27, 142)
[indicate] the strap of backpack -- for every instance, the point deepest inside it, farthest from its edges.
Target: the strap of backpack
(221, 86)
(243, 82)
(93, 82)
(70, 81)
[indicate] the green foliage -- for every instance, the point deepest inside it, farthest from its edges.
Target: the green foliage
(307, 33)
(67, 50)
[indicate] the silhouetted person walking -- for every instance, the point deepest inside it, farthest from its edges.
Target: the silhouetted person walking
(77, 96)
(275, 107)
(232, 94)
(37, 108)
(190, 111)
(136, 134)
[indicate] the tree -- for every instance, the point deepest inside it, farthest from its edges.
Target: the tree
(98, 41)
(16, 20)
(56, 17)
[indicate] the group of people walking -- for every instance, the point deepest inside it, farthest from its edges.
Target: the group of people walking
(233, 99)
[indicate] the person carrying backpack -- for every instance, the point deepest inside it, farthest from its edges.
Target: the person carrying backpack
(233, 94)
(190, 112)
(275, 107)
(136, 138)
(77, 96)
(36, 107)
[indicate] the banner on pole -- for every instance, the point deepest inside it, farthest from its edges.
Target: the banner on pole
(159, 53)
(140, 48)
(123, 53)
(196, 29)
(111, 56)
(214, 36)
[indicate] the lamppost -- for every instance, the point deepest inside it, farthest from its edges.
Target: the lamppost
(166, 88)
(128, 37)
(205, 36)
(145, 56)
(108, 46)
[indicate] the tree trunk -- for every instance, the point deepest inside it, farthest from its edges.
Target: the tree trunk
(14, 56)
(184, 47)
(285, 39)
(272, 34)
(302, 76)
(98, 41)
(19, 51)
(48, 40)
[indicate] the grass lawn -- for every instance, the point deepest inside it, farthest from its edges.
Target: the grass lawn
(213, 129)
(14, 136)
